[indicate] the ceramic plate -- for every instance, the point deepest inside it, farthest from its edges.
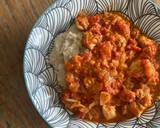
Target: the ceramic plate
(40, 76)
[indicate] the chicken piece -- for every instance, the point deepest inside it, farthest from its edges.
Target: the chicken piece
(109, 112)
(104, 98)
(136, 109)
(82, 22)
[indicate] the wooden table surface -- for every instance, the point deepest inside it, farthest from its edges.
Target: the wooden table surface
(16, 20)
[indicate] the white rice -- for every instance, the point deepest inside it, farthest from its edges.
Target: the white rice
(66, 45)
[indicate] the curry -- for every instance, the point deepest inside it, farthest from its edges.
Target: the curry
(116, 76)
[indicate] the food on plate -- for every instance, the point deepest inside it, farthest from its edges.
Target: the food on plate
(66, 45)
(111, 69)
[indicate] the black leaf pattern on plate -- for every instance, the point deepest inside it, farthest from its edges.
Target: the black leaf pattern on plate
(147, 115)
(77, 123)
(76, 6)
(109, 125)
(48, 77)
(40, 39)
(58, 20)
(41, 22)
(57, 4)
(150, 25)
(126, 124)
(33, 82)
(138, 8)
(34, 61)
(44, 98)
(57, 117)
(155, 122)
(112, 5)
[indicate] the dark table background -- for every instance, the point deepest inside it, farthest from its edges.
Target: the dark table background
(16, 20)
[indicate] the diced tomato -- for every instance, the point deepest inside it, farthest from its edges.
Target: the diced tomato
(94, 19)
(123, 28)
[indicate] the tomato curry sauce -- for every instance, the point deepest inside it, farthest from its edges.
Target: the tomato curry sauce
(116, 77)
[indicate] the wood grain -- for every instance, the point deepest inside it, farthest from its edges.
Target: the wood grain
(16, 20)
